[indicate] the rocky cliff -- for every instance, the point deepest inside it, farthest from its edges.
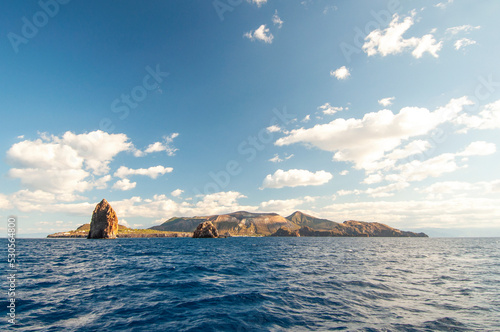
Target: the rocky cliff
(104, 224)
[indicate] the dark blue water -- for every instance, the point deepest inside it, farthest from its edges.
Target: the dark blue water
(258, 284)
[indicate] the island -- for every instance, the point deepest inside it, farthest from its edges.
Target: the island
(240, 223)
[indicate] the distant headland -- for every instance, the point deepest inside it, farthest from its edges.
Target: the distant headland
(105, 225)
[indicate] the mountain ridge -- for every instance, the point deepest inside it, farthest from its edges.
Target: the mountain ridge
(243, 223)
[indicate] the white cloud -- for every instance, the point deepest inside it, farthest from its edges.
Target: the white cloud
(166, 146)
(273, 129)
(488, 118)
(462, 28)
(443, 5)
(177, 192)
(386, 101)
(277, 159)
(439, 190)
(123, 222)
(97, 148)
(464, 42)
(307, 118)
(153, 172)
(329, 109)
(259, 3)
(282, 207)
(277, 20)
(39, 200)
(262, 33)
(4, 202)
(341, 73)
(450, 213)
(52, 180)
(364, 141)
(412, 148)
(102, 182)
(418, 170)
(479, 148)
(344, 172)
(295, 178)
(391, 41)
(64, 164)
(124, 185)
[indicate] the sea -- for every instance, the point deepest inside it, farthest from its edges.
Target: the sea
(256, 284)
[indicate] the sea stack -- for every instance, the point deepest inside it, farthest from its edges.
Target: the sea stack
(206, 230)
(104, 224)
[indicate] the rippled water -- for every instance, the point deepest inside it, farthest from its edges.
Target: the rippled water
(258, 284)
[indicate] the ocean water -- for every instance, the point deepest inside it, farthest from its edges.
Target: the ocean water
(258, 284)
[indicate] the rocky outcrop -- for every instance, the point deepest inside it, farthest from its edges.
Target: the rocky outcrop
(206, 230)
(286, 232)
(104, 224)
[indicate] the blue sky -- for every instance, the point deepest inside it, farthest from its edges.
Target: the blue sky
(381, 111)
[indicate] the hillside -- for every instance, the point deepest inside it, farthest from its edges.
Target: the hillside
(297, 224)
(301, 219)
(236, 223)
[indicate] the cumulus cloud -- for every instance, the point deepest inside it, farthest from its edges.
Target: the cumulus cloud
(341, 73)
(329, 109)
(124, 185)
(277, 20)
(364, 141)
(92, 150)
(65, 164)
(152, 172)
(386, 101)
(177, 192)
(295, 178)
(391, 41)
(261, 34)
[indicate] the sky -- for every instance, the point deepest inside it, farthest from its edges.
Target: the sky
(385, 111)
